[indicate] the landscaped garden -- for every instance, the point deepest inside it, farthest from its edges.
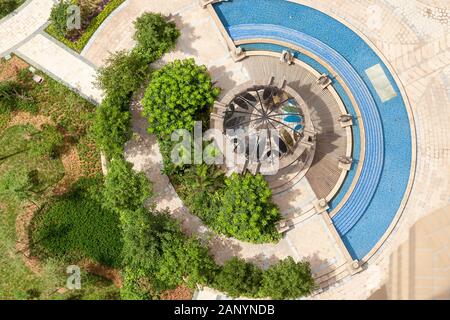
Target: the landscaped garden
(157, 256)
(73, 214)
(8, 6)
(92, 15)
(45, 148)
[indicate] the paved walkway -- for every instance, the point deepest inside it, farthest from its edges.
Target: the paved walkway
(61, 63)
(15, 29)
(23, 35)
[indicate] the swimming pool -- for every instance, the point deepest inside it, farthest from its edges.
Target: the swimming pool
(364, 231)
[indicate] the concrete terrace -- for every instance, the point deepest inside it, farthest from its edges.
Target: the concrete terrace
(413, 36)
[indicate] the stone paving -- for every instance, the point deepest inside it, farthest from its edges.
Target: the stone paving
(46, 54)
(412, 35)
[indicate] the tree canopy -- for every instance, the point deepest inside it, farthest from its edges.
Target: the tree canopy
(111, 127)
(244, 210)
(177, 95)
(239, 278)
(287, 280)
(122, 74)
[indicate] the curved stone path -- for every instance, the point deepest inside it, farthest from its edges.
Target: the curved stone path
(412, 35)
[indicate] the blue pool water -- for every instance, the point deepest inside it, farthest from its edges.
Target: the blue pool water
(390, 183)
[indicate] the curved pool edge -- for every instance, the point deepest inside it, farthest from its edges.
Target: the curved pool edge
(412, 128)
(390, 230)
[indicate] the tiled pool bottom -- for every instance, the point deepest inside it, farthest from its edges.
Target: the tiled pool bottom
(396, 130)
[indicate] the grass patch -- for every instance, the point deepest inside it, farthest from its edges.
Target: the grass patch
(76, 226)
(72, 113)
(73, 116)
(96, 22)
(17, 157)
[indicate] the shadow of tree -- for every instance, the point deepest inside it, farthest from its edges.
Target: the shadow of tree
(187, 37)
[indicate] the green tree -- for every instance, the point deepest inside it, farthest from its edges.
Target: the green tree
(143, 234)
(155, 249)
(176, 96)
(244, 210)
(154, 36)
(122, 74)
(111, 128)
(125, 189)
(239, 278)
(59, 16)
(287, 280)
(48, 142)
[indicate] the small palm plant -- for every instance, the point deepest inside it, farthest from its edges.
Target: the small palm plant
(199, 184)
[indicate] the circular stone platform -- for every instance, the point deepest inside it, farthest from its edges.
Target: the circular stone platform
(290, 104)
(268, 127)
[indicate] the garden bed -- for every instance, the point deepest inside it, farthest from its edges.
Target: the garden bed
(78, 39)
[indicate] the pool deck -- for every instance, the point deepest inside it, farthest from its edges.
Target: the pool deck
(411, 35)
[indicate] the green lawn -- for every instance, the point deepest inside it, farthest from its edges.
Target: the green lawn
(73, 116)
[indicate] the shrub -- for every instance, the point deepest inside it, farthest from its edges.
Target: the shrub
(243, 209)
(77, 226)
(122, 74)
(48, 142)
(111, 128)
(239, 278)
(144, 233)
(196, 186)
(287, 280)
(169, 167)
(176, 96)
(14, 96)
(156, 250)
(154, 36)
(125, 189)
(185, 261)
(135, 285)
(59, 16)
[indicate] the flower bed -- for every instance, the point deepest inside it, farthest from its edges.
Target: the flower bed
(79, 41)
